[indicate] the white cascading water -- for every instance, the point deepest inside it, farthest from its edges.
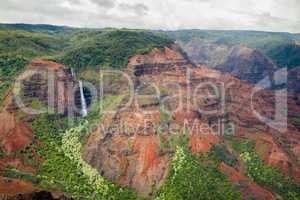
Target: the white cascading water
(82, 97)
(83, 102)
(73, 73)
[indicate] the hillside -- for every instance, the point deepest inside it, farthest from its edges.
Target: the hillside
(17, 48)
(181, 131)
(76, 48)
(108, 48)
(35, 27)
(282, 48)
(240, 61)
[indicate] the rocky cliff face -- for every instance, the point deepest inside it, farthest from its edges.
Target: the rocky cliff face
(15, 133)
(240, 61)
(247, 64)
(137, 156)
(294, 80)
(206, 52)
(172, 95)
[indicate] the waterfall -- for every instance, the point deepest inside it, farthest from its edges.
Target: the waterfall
(82, 97)
(73, 73)
(83, 102)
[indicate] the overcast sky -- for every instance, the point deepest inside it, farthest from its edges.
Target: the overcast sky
(268, 15)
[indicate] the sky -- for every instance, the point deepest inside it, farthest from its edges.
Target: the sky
(263, 15)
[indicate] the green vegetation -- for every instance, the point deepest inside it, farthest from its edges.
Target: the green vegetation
(77, 48)
(220, 153)
(193, 176)
(35, 27)
(102, 189)
(264, 174)
(60, 171)
(172, 140)
(242, 146)
(285, 53)
(282, 48)
(63, 168)
(17, 48)
(10, 66)
(109, 48)
(196, 178)
(269, 176)
(29, 44)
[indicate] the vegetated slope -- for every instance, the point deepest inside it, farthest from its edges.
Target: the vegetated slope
(28, 148)
(17, 48)
(78, 48)
(109, 48)
(285, 53)
(28, 44)
(35, 27)
(282, 48)
(33, 155)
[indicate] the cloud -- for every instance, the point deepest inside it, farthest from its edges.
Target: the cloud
(138, 8)
(268, 15)
(104, 3)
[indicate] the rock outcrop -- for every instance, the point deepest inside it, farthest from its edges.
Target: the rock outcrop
(240, 61)
(137, 157)
(134, 145)
(15, 133)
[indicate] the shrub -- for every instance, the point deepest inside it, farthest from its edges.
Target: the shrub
(193, 178)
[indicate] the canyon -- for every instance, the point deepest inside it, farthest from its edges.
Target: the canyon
(170, 92)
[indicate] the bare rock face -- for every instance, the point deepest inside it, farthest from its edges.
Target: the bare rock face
(136, 157)
(15, 133)
(206, 52)
(294, 80)
(247, 64)
(133, 161)
(157, 61)
(140, 155)
(240, 61)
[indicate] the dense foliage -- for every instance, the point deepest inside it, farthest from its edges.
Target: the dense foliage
(110, 48)
(102, 189)
(28, 44)
(63, 168)
(193, 178)
(35, 27)
(286, 53)
(10, 67)
(220, 153)
(264, 174)
(17, 48)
